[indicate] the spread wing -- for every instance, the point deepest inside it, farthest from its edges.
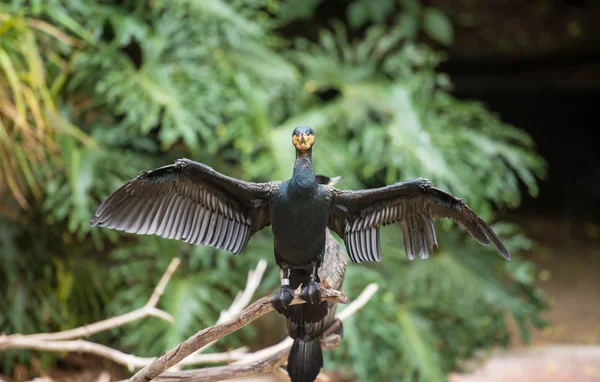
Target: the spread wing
(189, 201)
(357, 216)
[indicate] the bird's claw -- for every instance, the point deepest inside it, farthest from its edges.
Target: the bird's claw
(282, 298)
(311, 292)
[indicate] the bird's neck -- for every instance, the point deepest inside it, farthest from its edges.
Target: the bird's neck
(304, 173)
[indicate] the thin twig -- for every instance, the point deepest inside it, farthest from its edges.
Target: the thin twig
(61, 341)
(205, 336)
(266, 360)
(243, 298)
(359, 302)
(67, 339)
(222, 373)
(257, 366)
(128, 360)
(266, 352)
(159, 289)
(147, 310)
(352, 308)
(281, 373)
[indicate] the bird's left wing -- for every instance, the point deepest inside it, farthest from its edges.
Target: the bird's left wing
(189, 201)
(357, 216)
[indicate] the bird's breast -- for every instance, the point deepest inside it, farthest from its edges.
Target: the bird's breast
(299, 225)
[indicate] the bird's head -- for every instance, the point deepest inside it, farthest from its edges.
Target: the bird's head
(303, 137)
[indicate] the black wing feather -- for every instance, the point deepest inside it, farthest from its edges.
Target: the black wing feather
(188, 201)
(358, 215)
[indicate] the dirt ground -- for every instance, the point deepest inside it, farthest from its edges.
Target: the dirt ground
(568, 253)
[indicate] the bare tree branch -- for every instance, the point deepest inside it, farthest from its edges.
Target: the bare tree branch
(159, 289)
(147, 310)
(352, 308)
(205, 336)
(62, 341)
(254, 367)
(243, 298)
(269, 359)
(359, 302)
(228, 372)
(129, 360)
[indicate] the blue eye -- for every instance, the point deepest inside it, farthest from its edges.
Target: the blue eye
(308, 134)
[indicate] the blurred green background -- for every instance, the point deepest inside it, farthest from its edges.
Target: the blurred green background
(92, 92)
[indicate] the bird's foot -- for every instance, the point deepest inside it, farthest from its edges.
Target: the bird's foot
(282, 298)
(311, 292)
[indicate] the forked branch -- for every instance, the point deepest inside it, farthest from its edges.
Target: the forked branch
(208, 335)
(268, 359)
(68, 340)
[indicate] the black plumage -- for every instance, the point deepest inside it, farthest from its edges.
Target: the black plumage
(187, 201)
(358, 215)
(190, 201)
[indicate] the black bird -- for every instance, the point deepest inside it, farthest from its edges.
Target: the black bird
(190, 201)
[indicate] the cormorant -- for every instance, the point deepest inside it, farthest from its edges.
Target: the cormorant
(190, 201)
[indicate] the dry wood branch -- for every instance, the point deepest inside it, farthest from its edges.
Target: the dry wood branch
(227, 372)
(268, 359)
(129, 360)
(254, 367)
(352, 308)
(62, 341)
(65, 341)
(359, 302)
(243, 298)
(205, 336)
(147, 310)
(265, 360)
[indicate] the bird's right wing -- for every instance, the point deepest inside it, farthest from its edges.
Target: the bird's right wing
(189, 201)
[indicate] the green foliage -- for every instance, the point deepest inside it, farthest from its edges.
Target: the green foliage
(148, 82)
(30, 75)
(437, 26)
(441, 309)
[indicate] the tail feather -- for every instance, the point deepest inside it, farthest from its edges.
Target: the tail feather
(305, 360)
(306, 313)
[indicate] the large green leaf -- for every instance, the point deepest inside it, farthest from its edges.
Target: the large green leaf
(437, 26)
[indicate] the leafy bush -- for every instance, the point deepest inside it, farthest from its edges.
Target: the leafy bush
(148, 82)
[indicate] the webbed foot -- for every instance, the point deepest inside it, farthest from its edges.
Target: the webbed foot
(311, 292)
(284, 296)
(282, 299)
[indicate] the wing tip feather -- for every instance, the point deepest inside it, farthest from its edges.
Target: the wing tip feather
(492, 237)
